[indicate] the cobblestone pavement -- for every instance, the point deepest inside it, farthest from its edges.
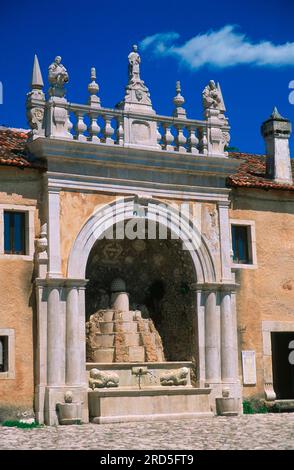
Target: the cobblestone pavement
(269, 431)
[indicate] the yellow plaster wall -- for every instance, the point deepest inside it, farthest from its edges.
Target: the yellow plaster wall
(265, 293)
(75, 209)
(21, 187)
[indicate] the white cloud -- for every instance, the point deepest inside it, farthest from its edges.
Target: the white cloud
(223, 48)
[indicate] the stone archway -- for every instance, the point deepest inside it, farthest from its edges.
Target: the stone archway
(201, 259)
(127, 208)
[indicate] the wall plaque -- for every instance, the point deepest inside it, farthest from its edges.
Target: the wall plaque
(249, 367)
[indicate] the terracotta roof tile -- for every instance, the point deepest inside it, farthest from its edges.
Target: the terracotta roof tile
(12, 149)
(252, 173)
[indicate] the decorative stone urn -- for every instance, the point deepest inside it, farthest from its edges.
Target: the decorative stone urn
(69, 412)
(227, 406)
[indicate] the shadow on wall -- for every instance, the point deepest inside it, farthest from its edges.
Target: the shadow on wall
(158, 276)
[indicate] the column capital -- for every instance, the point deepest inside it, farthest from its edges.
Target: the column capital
(223, 204)
(76, 283)
(215, 286)
(61, 282)
(53, 189)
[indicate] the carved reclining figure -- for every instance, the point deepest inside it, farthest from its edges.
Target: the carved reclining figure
(100, 379)
(175, 377)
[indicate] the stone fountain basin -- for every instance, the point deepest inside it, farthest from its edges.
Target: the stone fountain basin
(151, 404)
(152, 401)
(128, 379)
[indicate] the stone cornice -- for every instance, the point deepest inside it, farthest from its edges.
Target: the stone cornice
(111, 155)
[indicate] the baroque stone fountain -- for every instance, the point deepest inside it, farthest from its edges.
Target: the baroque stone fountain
(129, 379)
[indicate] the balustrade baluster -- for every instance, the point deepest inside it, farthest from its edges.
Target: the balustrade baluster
(167, 138)
(93, 127)
(108, 129)
(180, 139)
(192, 141)
(80, 127)
(119, 133)
(203, 142)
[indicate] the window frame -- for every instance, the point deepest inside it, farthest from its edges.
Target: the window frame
(11, 232)
(250, 224)
(10, 372)
(29, 231)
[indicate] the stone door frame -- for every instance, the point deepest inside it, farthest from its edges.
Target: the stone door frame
(269, 327)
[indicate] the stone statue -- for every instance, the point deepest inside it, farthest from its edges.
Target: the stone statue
(211, 97)
(134, 64)
(57, 73)
(175, 377)
(100, 379)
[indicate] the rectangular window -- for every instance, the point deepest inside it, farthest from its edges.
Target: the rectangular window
(241, 240)
(14, 232)
(3, 353)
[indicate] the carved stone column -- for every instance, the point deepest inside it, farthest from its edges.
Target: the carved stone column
(54, 260)
(75, 334)
(228, 340)
(72, 337)
(212, 339)
(225, 240)
(55, 336)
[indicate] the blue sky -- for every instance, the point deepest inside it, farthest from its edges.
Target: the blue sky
(220, 40)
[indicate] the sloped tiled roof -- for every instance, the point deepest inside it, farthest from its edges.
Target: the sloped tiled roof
(12, 149)
(252, 173)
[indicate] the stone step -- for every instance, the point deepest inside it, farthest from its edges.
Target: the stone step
(104, 340)
(124, 316)
(126, 326)
(104, 355)
(136, 354)
(108, 315)
(132, 339)
(106, 327)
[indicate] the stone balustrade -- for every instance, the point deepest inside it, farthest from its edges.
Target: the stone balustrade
(132, 123)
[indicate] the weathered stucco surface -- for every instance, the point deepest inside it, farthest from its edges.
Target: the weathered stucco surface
(16, 299)
(265, 293)
(75, 209)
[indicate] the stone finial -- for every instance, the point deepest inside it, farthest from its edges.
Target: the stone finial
(37, 80)
(68, 396)
(225, 392)
(35, 102)
(276, 115)
(276, 131)
(179, 100)
(93, 89)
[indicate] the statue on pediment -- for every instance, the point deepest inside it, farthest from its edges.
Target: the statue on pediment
(57, 73)
(134, 64)
(211, 96)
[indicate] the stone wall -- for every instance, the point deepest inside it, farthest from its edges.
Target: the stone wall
(265, 293)
(21, 187)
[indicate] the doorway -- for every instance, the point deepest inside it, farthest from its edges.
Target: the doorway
(283, 370)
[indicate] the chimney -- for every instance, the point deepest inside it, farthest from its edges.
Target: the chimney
(276, 132)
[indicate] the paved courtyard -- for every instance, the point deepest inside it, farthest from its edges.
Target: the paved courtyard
(269, 431)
